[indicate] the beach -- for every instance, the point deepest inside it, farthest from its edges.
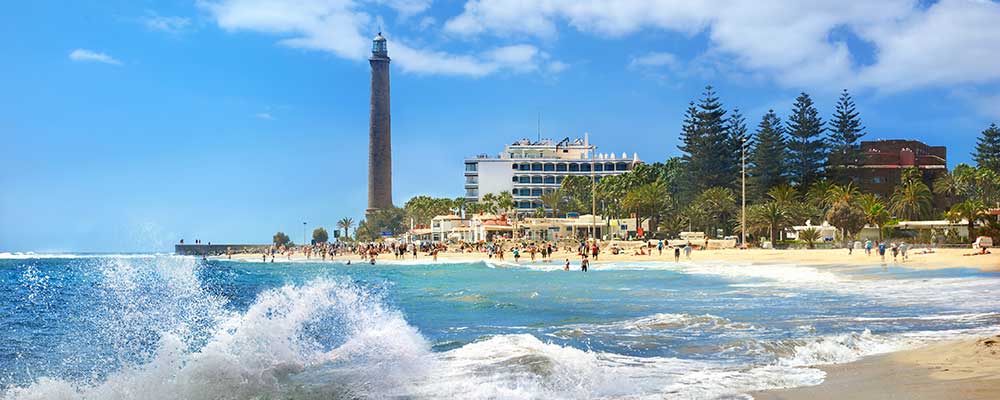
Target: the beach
(962, 369)
(939, 259)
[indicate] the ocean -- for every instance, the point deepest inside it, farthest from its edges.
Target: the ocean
(134, 326)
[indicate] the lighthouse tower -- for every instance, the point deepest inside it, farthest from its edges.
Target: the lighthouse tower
(379, 131)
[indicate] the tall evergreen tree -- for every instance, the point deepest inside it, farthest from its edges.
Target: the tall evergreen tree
(987, 154)
(713, 127)
(806, 148)
(768, 158)
(844, 133)
(692, 147)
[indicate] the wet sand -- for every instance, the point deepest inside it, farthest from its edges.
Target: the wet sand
(965, 369)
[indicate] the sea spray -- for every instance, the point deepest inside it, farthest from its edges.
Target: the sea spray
(151, 311)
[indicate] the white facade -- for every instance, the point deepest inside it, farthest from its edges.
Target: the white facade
(528, 169)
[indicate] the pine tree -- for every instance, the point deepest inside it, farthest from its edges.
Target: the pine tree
(713, 127)
(768, 158)
(845, 132)
(691, 146)
(708, 146)
(806, 148)
(987, 154)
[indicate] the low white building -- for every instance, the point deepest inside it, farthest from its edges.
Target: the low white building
(827, 232)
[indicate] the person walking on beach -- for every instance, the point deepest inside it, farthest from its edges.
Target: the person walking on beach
(677, 254)
(687, 251)
(868, 247)
(895, 252)
(881, 250)
(902, 250)
(584, 263)
(594, 250)
(659, 247)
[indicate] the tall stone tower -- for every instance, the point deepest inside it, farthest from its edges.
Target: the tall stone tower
(379, 131)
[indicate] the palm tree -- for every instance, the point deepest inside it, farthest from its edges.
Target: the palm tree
(346, 223)
(772, 215)
(505, 202)
(810, 236)
(553, 201)
(841, 194)
(969, 210)
(460, 203)
(819, 193)
(911, 200)
(875, 211)
(784, 194)
(489, 203)
(719, 203)
(648, 202)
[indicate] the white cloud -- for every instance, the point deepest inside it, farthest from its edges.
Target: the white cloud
(335, 26)
(406, 8)
(790, 41)
(265, 116)
(84, 55)
(173, 25)
(654, 59)
(556, 67)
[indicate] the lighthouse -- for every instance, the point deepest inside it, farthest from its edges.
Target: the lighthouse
(379, 130)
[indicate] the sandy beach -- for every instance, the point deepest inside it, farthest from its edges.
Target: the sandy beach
(964, 369)
(940, 258)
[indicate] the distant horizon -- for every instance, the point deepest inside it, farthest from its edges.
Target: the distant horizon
(131, 126)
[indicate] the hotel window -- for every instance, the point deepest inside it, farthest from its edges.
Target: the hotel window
(470, 167)
(472, 179)
(514, 179)
(513, 192)
(536, 179)
(621, 167)
(536, 167)
(561, 167)
(471, 192)
(536, 192)
(574, 167)
(559, 180)
(598, 167)
(513, 166)
(877, 179)
(524, 167)
(550, 179)
(584, 167)
(549, 167)
(524, 179)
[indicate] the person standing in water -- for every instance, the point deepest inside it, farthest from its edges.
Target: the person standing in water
(584, 263)
(687, 251)
(677, 254)
(566, 268)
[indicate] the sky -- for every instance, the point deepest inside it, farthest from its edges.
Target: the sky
(130, 124)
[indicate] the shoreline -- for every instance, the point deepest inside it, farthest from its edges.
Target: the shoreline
(955, 369)
(940, 259)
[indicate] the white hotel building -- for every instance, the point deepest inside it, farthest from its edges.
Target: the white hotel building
(528, 169)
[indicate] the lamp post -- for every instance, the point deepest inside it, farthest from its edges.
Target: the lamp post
(743, 159)
(303, 233)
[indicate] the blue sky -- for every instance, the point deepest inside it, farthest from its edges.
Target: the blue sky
(130, 124)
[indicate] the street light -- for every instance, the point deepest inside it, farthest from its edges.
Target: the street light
(303, 233)
(743, 159)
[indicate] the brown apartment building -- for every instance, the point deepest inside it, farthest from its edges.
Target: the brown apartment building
(884, 160)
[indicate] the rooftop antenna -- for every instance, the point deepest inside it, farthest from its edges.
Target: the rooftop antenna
(539, 127)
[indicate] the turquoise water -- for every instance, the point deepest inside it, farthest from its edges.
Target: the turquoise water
(143, 326)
